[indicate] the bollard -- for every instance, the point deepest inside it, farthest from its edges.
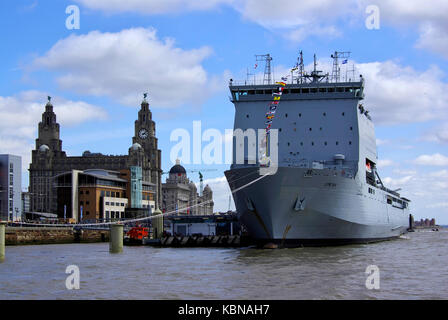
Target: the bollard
(157, 224)
(2, 240)
(116, 238)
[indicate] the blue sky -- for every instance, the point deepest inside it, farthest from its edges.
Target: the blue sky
(184, 52)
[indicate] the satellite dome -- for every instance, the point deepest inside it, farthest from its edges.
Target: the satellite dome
(136, 146)
(44, 148)
(178, 169)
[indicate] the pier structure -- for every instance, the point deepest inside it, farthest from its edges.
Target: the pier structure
(2, 240)
(116, 238)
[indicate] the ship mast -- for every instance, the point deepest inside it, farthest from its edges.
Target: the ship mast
(267, 68)
(336, 74)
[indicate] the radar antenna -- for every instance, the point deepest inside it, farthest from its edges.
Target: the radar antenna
(336, 74)
(267, 69)
(315, 74)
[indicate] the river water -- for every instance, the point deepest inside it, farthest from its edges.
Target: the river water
(414, 267)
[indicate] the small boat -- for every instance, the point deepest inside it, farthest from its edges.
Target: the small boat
(134, 237)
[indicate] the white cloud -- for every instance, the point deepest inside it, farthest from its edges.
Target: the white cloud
(125, 64)
(151, 7)
(20, 115)
(385, 163)
(437, 134)
(432, 160)
(308, 17)
(398, 94)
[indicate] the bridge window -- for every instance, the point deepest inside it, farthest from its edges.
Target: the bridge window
(305, 90)
(295, 90)
(322, 90)
(330, 89)
(259, 92)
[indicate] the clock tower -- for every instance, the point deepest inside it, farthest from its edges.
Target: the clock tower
(149, 158)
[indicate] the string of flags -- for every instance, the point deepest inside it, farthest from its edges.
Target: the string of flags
(270, 115)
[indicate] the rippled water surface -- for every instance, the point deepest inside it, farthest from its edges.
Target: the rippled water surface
(411, 268)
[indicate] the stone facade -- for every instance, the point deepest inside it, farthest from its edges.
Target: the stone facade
(180, 195)
(49, 159)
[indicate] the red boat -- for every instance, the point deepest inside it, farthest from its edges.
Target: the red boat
(135, 236)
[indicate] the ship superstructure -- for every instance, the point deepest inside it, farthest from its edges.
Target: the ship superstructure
(326, 189)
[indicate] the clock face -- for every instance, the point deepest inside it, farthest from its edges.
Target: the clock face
(143, 133)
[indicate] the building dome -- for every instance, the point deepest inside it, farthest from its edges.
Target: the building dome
(178, 169)
(136, 146)
(207, 189)
(44, 148)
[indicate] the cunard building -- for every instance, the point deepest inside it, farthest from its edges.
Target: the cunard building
(51, 169)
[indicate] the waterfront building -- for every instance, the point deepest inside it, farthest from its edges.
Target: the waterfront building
(97, 194)
(49, 160)
(180, 195)
(10, 187)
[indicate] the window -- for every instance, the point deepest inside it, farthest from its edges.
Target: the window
(311, 129)
(122, 204)
(81, 192)
(343, 113)
(102, 193)
(286, 115)
(112, 203)
(87, 203)
(113, 194)
(300, 115)
(325, 143)
(107, 193)
(87, 192)
(324, 114)
(117, 204)
(107, 203)
(337, 143)
(11, 167)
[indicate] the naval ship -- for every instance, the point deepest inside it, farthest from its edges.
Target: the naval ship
(326, 189)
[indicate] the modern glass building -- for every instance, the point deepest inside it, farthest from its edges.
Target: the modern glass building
(10, 187)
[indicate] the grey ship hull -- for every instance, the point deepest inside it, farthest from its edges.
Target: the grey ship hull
(334, 210)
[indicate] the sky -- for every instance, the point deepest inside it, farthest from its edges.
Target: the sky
(183, 53)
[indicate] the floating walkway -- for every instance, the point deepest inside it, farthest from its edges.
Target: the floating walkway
(200, 241)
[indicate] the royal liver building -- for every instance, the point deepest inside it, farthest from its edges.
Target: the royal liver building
(49, 159)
